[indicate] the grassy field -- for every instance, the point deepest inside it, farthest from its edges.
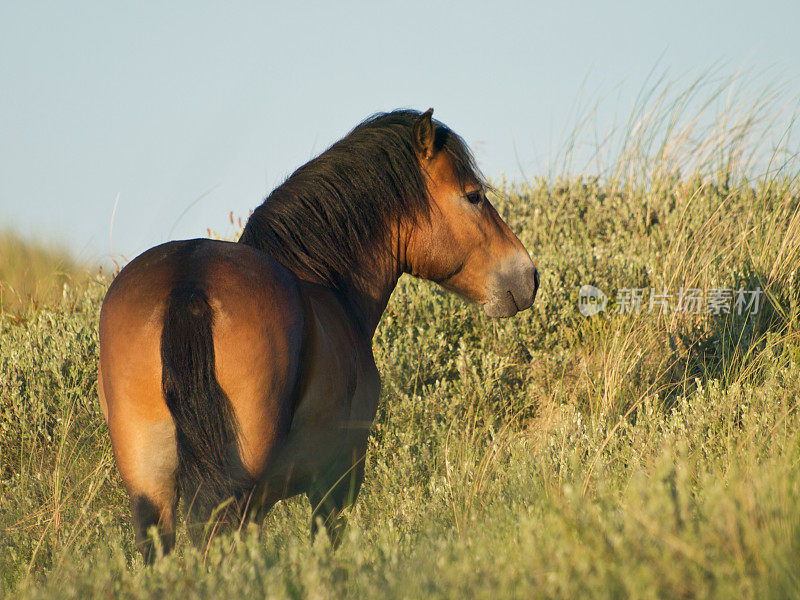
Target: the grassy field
(625, 455)
(34, 273)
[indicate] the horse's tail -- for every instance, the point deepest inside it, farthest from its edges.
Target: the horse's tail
(210, 475)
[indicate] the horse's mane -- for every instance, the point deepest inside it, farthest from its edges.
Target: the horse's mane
(341, 204)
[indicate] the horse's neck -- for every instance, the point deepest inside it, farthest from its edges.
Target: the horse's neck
(370, 291)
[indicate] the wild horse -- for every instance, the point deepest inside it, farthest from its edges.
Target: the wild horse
(238, 374)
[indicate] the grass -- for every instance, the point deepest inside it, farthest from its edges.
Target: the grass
(34, 273)
(550, 455)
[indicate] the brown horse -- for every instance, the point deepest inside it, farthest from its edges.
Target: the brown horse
(238, 374)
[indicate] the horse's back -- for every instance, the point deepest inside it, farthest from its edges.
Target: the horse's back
(258, 329)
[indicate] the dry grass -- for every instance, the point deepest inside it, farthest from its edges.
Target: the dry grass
(33, 274)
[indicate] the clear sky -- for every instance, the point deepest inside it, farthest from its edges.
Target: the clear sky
(185, 111)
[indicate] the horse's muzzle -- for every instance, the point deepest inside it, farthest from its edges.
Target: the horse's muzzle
(512, 287)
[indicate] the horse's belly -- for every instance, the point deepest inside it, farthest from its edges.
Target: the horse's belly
(337, 399)
(327, 438)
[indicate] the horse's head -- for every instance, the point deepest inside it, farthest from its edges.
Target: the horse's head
(464, 245)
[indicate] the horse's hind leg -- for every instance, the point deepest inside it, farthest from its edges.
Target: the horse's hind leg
(147, 460)
(330, 497)
(153, 524)
(206, 517)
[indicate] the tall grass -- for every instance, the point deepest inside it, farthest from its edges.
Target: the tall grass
(712, 123)
(550, 455)
(33, 274)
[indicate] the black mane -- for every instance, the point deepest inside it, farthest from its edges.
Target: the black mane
(339, 205)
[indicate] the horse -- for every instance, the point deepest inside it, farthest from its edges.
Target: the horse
(237, 374)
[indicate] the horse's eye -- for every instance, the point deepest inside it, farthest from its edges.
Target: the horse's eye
(475, 197)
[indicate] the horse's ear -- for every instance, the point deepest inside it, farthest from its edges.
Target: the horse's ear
(423, 135)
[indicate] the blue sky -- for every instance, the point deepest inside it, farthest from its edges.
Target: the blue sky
(185, 111)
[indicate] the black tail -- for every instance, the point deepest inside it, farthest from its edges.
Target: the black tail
(210, 472)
